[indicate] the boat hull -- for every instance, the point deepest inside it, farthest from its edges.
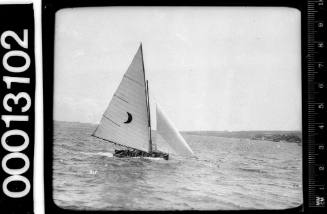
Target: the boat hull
(137, 153)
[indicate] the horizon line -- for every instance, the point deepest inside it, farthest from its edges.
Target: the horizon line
(252, 130)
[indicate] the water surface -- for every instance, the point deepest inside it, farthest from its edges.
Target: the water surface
(225, 173)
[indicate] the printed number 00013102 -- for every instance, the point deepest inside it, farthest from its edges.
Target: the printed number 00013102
(11, 100)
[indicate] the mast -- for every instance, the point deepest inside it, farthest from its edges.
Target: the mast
(150, 141)
(147, 102)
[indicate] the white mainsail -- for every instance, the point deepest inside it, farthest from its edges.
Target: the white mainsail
(125, 120)
(170, 134)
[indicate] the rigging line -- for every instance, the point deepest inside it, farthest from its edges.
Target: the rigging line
(117, 143)
(110, 120)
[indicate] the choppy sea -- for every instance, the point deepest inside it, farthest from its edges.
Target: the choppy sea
(225, 173)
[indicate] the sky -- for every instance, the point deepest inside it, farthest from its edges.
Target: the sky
(209, 68)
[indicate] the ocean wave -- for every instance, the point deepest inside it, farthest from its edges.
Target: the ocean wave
(106, 154)
(223, 174)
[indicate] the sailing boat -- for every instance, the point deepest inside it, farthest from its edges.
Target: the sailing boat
(126, 121)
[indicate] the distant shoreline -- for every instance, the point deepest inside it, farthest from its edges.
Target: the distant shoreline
(274, 136)
(268, 135)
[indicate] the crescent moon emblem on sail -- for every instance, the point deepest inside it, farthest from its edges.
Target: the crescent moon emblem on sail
(129, 119)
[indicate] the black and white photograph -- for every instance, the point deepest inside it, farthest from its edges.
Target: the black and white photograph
(177, 108)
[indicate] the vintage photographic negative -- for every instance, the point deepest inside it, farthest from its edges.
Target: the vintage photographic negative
(177, 108)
